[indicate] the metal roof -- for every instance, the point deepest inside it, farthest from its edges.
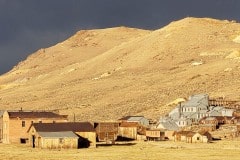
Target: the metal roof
(195, 100)
(64, 134)
(132, 118)
(169, 125)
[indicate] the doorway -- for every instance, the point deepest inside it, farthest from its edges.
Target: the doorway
(33, 141)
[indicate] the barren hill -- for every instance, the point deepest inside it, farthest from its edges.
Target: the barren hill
(108, 73)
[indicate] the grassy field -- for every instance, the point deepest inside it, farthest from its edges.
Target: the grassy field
(224, 150)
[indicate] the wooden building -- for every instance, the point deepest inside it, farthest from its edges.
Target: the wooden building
(169, 135)
(201, 137)
(192, 137)
(209, 120)
(155, 134)
(128, 130)
(183, 136)
(106, 131)
(84, 130)
(208, 123)
(14, 124)
(56, 140)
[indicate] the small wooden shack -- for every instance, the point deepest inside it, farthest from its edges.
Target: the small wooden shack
(155, 135)
(83, 130)
(54, 140)
(106, 131)
(192, 137)
(184, 136)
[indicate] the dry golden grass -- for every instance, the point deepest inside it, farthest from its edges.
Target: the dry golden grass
(105, 74)
(224, 150)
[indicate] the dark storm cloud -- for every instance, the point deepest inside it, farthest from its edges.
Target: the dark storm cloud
(27, 25)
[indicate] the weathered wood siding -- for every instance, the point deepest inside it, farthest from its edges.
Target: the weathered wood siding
(128, 132)
(56, 143)
(155, 135)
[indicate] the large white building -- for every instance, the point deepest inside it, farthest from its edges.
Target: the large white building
(191, 111)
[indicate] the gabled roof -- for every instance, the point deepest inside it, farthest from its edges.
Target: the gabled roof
(204, 133)
(35, 114)
(64, 134)
(169, 125)
(196, 100)
(64, 126)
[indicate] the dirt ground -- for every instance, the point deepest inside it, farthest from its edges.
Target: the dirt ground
(224, 150)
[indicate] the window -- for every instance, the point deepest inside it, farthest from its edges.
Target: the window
(23, 140)
(23, 124)
(40, 121)
(198, 138)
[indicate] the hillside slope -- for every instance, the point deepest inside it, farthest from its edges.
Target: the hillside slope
(108, 73)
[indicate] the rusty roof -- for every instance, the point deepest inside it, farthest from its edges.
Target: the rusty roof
(64, 126)
(129, 124)
(106, 126)
(35, 114)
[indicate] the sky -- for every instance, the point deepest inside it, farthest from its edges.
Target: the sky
(28, 25)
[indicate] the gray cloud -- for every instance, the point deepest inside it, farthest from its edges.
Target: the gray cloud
(27, 25)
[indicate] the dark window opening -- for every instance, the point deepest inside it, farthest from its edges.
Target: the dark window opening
(40, 121)
(23, 140)
(23, 124)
